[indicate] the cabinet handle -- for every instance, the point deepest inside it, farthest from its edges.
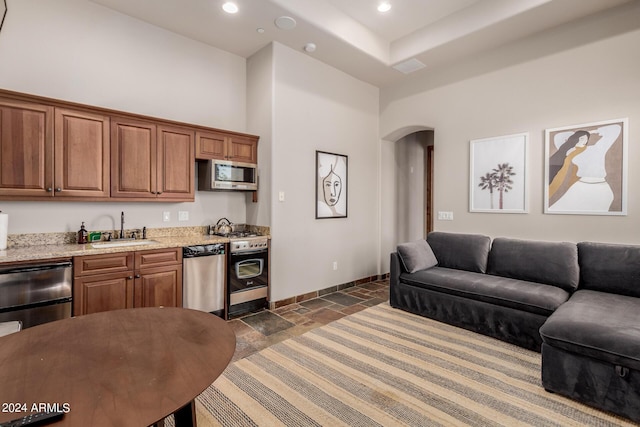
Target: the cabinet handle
(130, 277)
(49, 190)
(159, 192)
(137, 276)
(58, 189)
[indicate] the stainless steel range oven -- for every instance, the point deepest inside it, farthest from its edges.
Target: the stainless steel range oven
(247, 274)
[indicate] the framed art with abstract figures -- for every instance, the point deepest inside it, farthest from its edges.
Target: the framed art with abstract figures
(331, 185)
(586, 169)
(498, 174)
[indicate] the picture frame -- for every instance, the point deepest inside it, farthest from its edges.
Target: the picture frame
(331, 185)
(585, 169)
(498, 177)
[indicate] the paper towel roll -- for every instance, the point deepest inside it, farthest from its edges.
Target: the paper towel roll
(4, 227)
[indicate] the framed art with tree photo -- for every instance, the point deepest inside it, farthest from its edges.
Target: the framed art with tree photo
(498, 174)
(586, 169)
(331, 185)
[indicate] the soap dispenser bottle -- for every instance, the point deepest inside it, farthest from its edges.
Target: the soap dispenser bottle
(82, 234)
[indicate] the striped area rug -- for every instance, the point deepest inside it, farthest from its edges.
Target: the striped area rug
(385, 367)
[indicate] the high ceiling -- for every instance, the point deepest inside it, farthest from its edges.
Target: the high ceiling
(353, 36)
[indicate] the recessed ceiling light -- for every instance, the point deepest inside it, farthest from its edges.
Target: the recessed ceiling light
(230, 7)
(384, 7)
(260, 30)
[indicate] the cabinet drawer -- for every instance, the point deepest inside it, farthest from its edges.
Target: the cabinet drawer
(100, 264)
(158, 257)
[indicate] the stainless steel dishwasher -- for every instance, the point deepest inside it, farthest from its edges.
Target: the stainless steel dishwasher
(35, 293)
(203, 274)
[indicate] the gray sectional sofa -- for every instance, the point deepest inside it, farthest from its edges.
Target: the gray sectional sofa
(579, 304)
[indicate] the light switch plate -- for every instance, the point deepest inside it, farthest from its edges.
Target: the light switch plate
(445, 216)
(183, 216)
(166, 216)
(281, 196)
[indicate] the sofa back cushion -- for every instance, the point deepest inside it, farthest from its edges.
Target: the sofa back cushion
(460, 251)
(549, 263)
(608, 267)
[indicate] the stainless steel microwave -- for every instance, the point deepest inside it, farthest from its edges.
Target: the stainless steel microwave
(227, 175)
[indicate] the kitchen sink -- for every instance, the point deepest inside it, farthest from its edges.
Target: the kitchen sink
(116, 244)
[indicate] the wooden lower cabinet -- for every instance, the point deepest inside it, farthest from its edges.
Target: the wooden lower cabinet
(151, 278)
(159, 287)
(102, 292)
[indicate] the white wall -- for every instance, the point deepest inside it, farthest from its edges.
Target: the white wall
(259, 122)
(410, 189)
(79, 51)
(317, 107)
(581, 73)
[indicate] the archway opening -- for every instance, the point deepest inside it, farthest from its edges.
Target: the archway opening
(407, 187)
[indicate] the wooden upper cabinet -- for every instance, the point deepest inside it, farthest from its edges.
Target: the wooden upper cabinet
(58, 150)
(151, 161)
(133, 159)
(210, 145)
(242, 149)
(81, 155)
(221, 146)
(26, 149)
(176, 163)
(47, 152)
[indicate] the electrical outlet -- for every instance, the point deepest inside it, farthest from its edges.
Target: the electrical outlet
(166, 216)
(183, 216)
(281, 196)
(335, 265)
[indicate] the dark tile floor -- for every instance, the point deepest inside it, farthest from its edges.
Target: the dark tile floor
(257, 331)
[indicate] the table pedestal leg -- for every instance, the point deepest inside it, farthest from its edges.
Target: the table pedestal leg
(186, 416)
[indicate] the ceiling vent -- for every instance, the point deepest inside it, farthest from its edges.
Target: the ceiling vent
(409, 66)
(285, 23)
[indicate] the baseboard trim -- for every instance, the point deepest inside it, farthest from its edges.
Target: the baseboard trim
(315, 294)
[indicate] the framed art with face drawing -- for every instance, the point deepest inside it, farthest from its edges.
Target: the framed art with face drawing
(331, 185)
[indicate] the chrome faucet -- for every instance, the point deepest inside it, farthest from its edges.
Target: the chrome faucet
(122, 225)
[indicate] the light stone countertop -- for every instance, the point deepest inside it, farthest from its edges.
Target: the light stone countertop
(44, 252)
(44, 246)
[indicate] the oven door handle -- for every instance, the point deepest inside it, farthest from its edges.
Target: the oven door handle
(257, 251)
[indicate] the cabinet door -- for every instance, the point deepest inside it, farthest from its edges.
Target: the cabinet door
(210, 145)
(81, 154)
(176, 164)
(242, 149)
(26, 149)
(133, 159)
(159, 287)
(102, 292)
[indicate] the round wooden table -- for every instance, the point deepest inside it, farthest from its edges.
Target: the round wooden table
(128, 367)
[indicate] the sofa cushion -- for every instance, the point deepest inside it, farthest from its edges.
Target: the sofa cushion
(460, 251)
(600, 325)
(550, 263)
(417, 255)
(612, 268)
(518, 294)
